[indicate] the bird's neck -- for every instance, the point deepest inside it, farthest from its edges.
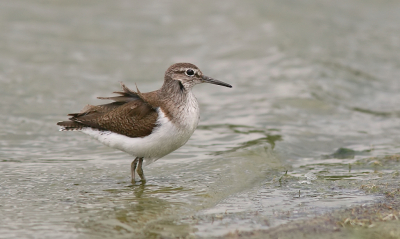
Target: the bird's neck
(178, 102)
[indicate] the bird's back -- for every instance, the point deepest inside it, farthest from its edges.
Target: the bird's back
(130, 115)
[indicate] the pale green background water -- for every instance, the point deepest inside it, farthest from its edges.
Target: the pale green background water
(308, 77)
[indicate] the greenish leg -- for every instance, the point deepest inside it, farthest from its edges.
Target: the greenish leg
(133, 168)
(140, 170)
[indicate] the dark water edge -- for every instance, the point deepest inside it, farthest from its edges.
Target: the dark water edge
(377, 220)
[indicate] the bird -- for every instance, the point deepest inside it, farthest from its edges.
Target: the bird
(148, 125)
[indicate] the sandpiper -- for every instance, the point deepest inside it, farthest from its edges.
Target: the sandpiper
(146, 125)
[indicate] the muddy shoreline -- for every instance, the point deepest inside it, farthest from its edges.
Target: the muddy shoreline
(377, 220)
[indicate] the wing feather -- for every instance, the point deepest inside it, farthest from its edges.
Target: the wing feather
(130, 114)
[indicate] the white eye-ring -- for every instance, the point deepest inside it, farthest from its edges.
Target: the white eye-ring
(189, 72)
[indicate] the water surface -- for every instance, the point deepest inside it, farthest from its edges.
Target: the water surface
(315, 90)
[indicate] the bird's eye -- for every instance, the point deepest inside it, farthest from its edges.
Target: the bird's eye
(189, 72)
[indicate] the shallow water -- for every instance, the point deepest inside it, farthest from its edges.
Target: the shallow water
(309, 78)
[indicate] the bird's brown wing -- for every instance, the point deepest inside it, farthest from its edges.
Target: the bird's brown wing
(130, 114)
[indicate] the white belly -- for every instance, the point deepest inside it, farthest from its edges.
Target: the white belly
(164, 139)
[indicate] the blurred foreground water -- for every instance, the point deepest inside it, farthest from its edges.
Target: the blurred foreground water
(315, 90)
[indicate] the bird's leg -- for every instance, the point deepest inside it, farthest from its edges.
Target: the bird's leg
(133, 168)
(140, 170)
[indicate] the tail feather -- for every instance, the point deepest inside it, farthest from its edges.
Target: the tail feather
(70, 125)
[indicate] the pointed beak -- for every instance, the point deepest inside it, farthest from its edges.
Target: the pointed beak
(207, 79)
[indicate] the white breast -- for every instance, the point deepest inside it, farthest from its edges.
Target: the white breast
(165, 138)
